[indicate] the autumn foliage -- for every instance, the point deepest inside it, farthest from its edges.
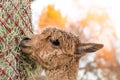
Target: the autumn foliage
(101, 29)
(52, 17)
(101, 25)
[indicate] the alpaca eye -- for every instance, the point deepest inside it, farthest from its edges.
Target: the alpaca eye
(55, 42)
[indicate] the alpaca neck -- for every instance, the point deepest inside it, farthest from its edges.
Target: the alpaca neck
(66, 72)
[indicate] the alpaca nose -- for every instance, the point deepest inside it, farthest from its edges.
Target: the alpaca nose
(22, 43)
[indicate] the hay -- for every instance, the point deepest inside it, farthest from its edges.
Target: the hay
(14, 25)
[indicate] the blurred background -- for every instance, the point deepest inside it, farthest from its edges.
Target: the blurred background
(94, 21)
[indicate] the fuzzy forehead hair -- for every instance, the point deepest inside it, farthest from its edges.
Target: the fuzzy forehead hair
(57, 33)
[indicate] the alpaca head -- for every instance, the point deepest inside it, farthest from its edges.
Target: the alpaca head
(54, 47)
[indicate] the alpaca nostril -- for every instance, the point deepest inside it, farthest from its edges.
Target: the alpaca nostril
(26, 38)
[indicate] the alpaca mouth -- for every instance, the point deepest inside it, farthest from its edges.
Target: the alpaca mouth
(22, 45)
(24, 40)
(25, 49)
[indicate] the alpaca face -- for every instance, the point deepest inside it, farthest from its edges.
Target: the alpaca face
(55, 48)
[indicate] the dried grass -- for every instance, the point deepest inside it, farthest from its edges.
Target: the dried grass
(12, 36)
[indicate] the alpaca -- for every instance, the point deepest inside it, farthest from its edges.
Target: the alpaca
(58, 52)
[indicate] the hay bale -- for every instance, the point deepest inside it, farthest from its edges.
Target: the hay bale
(15, 23)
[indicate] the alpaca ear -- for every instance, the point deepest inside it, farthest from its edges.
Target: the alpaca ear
(88, 47)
